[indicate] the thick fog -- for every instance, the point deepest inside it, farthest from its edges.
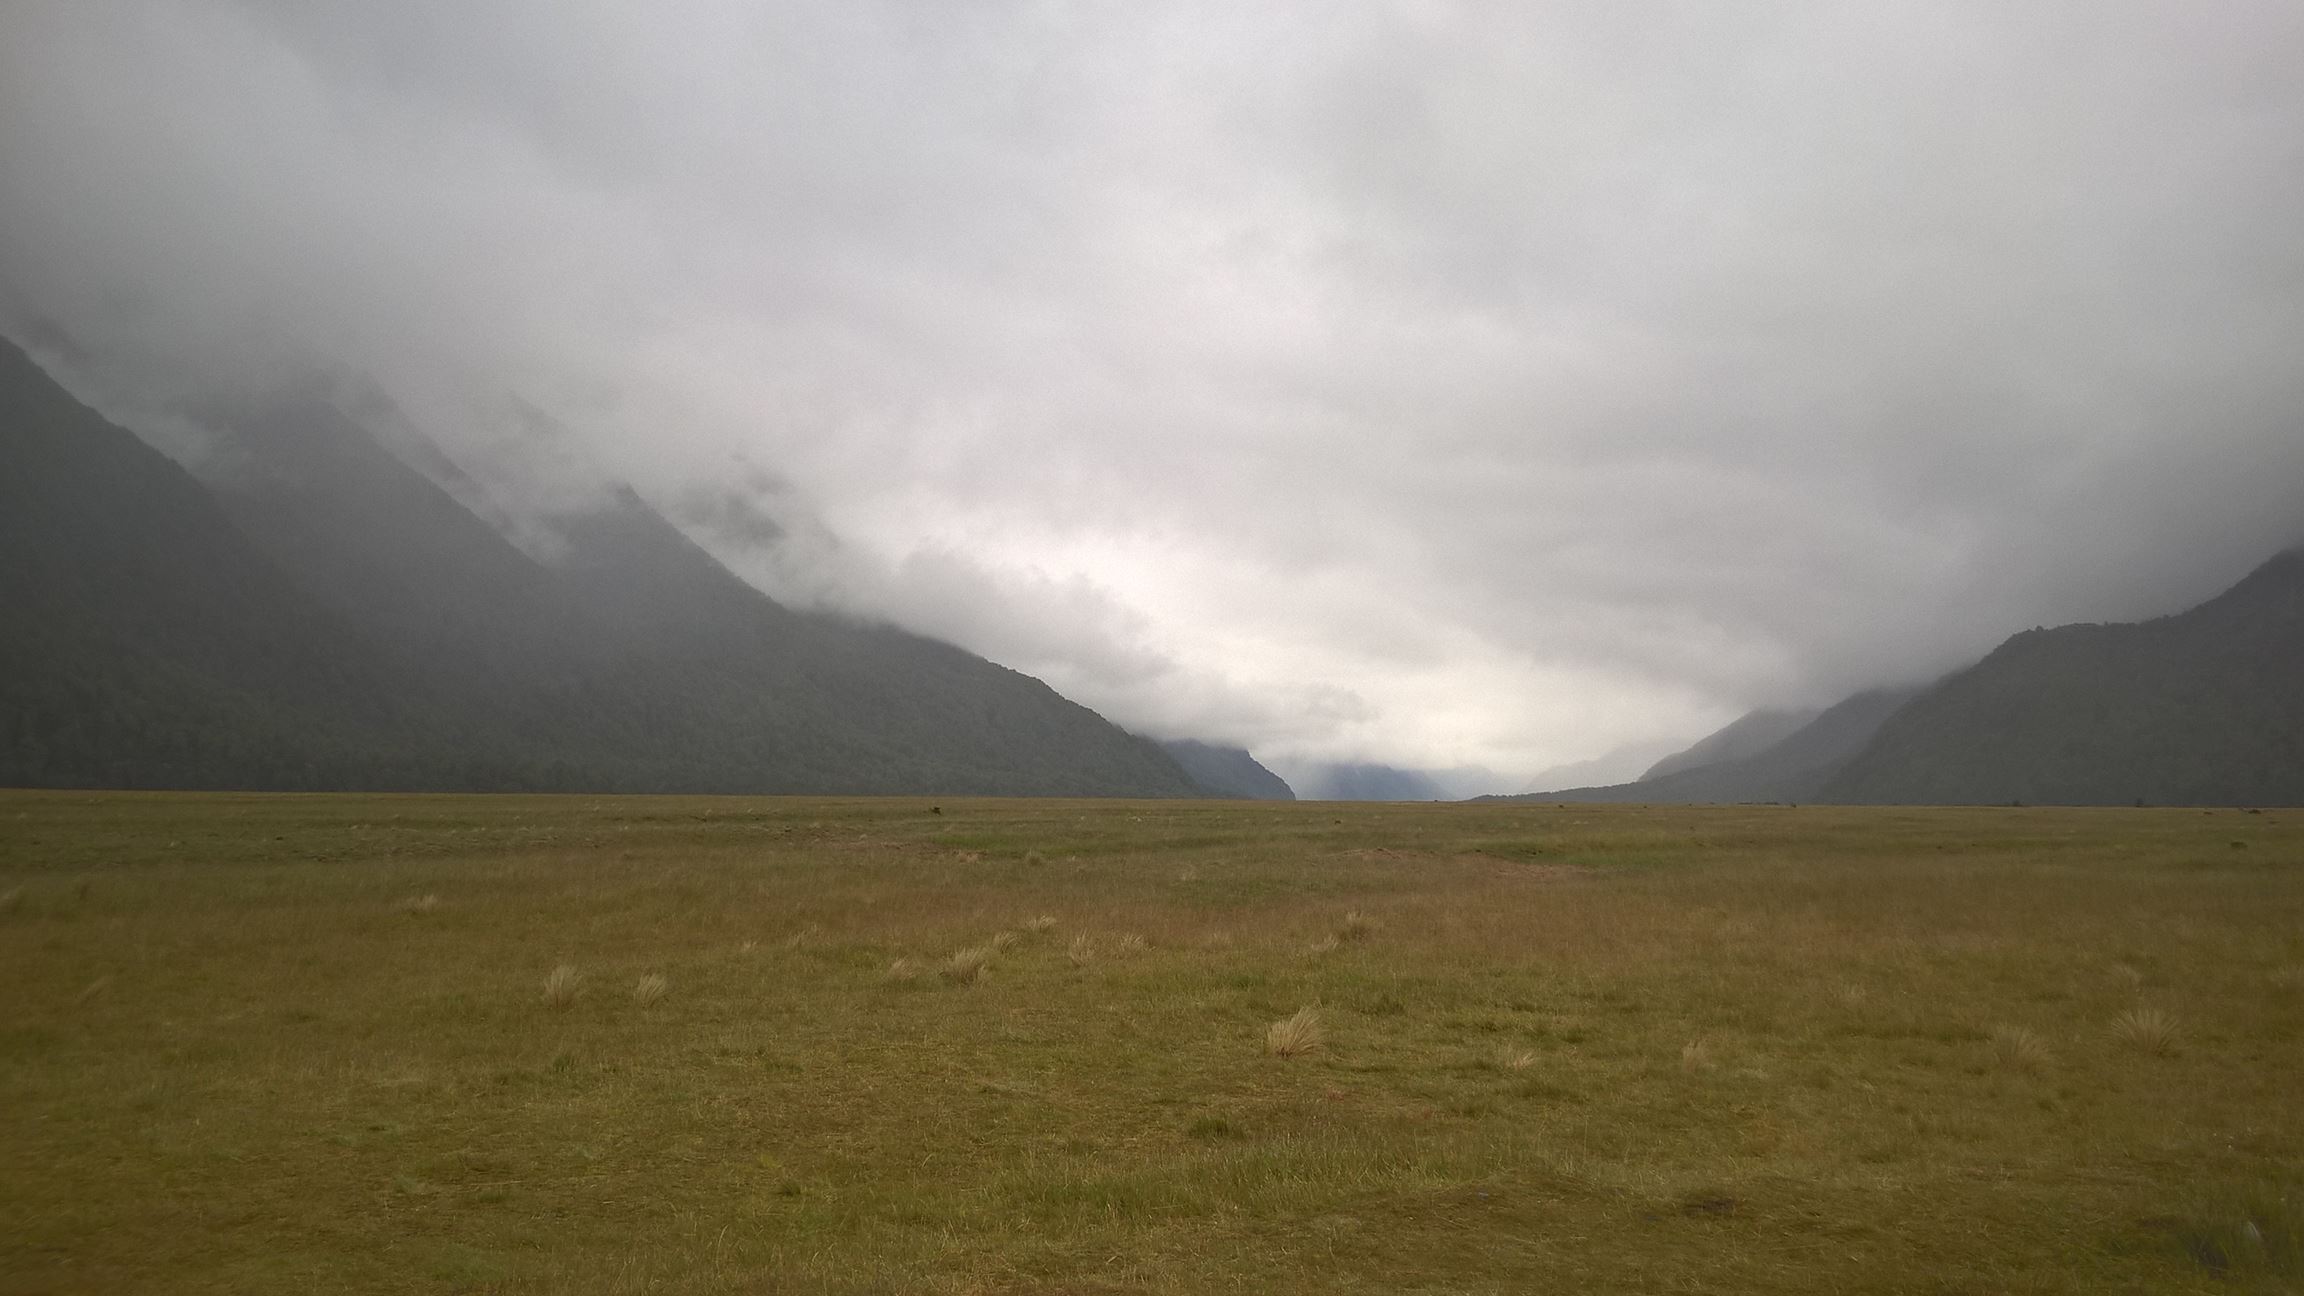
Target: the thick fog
(1440, 384)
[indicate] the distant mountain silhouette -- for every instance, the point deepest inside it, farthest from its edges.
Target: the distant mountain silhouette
(1749, 735)
(2205, 707)
(1228, 771)
(315, 613)
(2202, 708)
(1795, 767)
(1365, 782)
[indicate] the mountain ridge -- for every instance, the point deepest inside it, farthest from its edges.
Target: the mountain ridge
(313, 611)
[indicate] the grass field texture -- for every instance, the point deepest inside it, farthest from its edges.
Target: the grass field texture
(592, 1044)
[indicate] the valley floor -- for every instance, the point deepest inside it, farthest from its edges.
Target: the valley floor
(595, 1045)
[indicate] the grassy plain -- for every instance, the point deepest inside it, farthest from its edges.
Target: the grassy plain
(594, 1045)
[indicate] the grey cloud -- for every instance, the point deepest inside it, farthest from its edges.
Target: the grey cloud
(1440, 384)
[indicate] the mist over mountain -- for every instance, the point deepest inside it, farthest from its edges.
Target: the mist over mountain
(1228, 771)
(1738, 763)
(312, 612)
(1748, 735)
(1424, 384)
(2205, 707)
(1362, 781)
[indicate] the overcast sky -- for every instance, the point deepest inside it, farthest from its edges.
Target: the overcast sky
(1440, 384)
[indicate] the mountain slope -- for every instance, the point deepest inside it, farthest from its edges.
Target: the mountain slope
(1795, 767)
(1363, 782)
(324, 615)
(1228, 771)
(148, 644)
(1748, 735)
(2202, 708)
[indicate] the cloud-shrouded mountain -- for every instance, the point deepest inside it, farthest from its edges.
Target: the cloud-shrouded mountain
(1429, 384)
(311, 611)
(1740, 763)
(2205, 707)
(1748, 735)
(1228, 771)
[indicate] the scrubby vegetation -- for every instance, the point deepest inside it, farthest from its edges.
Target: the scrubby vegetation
(437, 1044)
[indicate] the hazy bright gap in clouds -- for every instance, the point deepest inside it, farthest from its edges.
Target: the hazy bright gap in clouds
(1442, 384)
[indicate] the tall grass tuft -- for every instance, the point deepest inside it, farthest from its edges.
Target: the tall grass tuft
(1356, 926)
(904, 971)
(1131, 943)
(1082, 951)
(563, 985)
(2019, 1048)
(1041, 925)
(1002, 940)
(967, 967)
(420, 905)
(1296, 1035)
(2147, 1030)
(650, 988)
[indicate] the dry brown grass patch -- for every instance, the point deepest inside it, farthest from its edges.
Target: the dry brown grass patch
(650, 988)
(563, 985)
(1296, 1035)
(967, 967)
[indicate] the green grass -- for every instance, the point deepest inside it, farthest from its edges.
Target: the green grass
(294, 1044)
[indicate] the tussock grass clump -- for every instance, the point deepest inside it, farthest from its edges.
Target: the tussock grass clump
(1131, 943)
(1003, 940)
(563, 985)
(1296, 1035)
(2147, 1030)
(1356, 926)
(1082, 951)
(2019, 1048)
(1034, 859)
(967, 967)
(420, 905)
(1041, 925)
(1517, 1059)
(650, 988)
(1324, 946)
(904, 971)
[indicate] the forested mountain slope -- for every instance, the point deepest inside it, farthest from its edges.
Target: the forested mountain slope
(319, 614)
(2202, 708)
